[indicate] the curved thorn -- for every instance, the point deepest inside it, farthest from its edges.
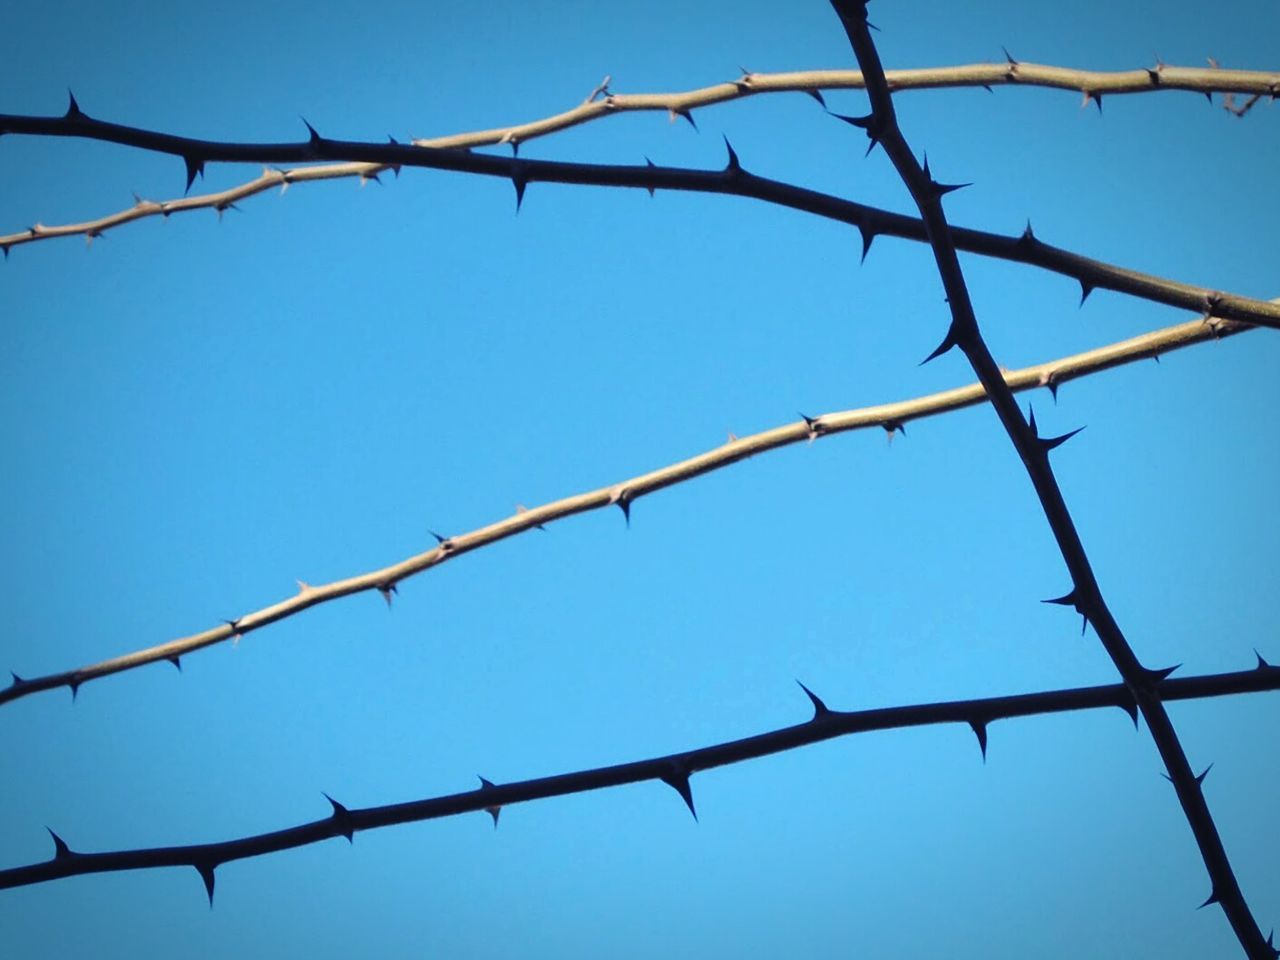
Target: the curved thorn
(1085, 290)
(194, 166)
(1054, 442)
(651, 166)
(868, 235)
(313, 137)
(1262, 665)
(733, 165)
(18, 681)
(683, 113)
(1066, 600)
(817, 95)
(60, 849)
(1130, 707)
(1203, 773)
(625, 506)
(678, 780)
(341, 819)
(1008, 56)
(820, 709)
(980, 731)
(1212, 898)
(947, 343)
(493, 811)
(1156, 676)
(176, 661)
(206, 874)
(519, 183)
(73, 109)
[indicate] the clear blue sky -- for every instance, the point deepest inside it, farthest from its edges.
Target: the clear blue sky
(196, 413)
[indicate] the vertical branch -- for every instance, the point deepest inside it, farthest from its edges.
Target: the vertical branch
(1085, 596)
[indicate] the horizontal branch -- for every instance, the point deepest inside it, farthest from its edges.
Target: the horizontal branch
(1091, 83)
(733, 180)
(674, 769)
(890, 417)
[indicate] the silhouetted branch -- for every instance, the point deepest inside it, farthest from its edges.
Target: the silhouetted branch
(674, 769)
(1085, 596)
(890, 417)
(733, 180)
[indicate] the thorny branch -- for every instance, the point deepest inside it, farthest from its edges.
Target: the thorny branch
(1143, 683)
(890, 417)
(674, 770)
(732, 180)
(1092, 84)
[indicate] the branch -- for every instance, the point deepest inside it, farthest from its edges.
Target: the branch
(1085, 595)
(674, 769)
(891, 417)
(732, 180)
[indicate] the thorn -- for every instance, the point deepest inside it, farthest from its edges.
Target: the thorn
(515, 147)
(867, 123)
(947, 343)
(176, 661)
(519, 182)
(980, 731)
(1156, 676)
(892, 426)
(387, 589)
(446, 543)
(678, 780)
(60, 849)
(820, 709)
(941, 189)
(18, 681)
(314, 138)
(366, 177)
(491, 811)
(521, 508)
(651, 166)
(733, 165)
(194, 166)
(206, 874)
(816, 428)
(817, 95)
(1028, 235)
(1008, 56)
(1095, 97)
(74, 686)
(90, 236)
(1053, 390)
(1130, 707)
(1262, 665)
(73, 109)
(868, 235)
(1054, 442)
(341, 819)
(1213, 898)
(235, 624)
(1203, 773)
(673, 113)
(625, 506)
(303, 586)
(1070, 600)
(1085, 290)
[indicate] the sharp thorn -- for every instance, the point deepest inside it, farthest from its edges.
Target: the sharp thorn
(1213, 898)
(206, 874)
(313, 137)
(1053, 390)
(519, 183)
(868, 235)
(947, 343)
(862, 123)
(74, 687)
(1262, 665)
(1066, 600)
(820, 709)
(341, 819)
(194, 166)
(980, 731)
(817, 95)
(733, 165)
(1053, 442)
(1204, 773)
(651, 166)
(1008, 56)
(60, 849)
(673, 113)
(494, 811)
(1130, 707)
(73, 109)
(1157, 676)
(1085, 290)
(176, 661)
(625, 506)
(387, 589)
(678, 780)
(18, 681)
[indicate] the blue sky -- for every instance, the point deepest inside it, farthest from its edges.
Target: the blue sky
(198, 412)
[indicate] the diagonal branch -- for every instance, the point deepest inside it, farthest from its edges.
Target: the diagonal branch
(890, 417)
(732, 180)
(674, 769)
(1143, 684)
(1091, 83)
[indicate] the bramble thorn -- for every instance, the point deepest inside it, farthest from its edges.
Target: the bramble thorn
(820, 709)
(493, 811)
(733, 165)
(947, 343)
(817, 95)
(341, 819)
(60, 849)
(980, 731)
(206, 874)
(678, 780)
(868, 235)
(194, 166)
